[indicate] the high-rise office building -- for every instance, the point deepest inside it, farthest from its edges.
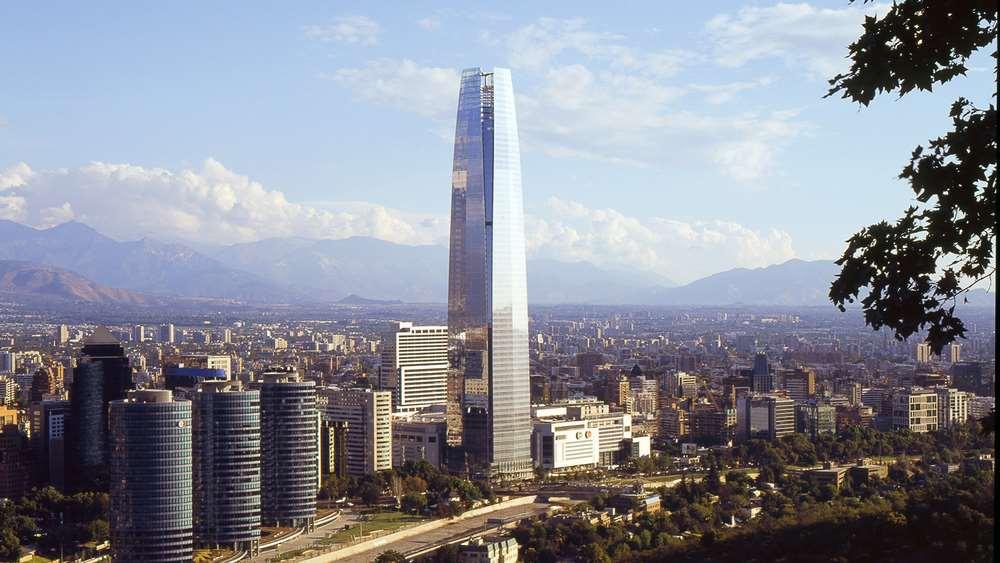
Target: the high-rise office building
(62, 334)
(102, 375)
(955, 352)
(762, 380)
(487, 286)
(167, 334)
(914, 409)
(953, 407)
(289, 449)
(48, 441)
(8, 390)
(226, 449)
(800, 384)
(15, 455)
(8, 361)
(969, 376)
(150, 466)
(923, 353)
(43, 383)
(414, 366)
(368, 415)
(138, 333)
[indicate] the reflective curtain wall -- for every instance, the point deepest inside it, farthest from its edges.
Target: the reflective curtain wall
(487, 298)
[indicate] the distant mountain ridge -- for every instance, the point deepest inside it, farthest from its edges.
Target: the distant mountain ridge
(29, 278)
(364, 270)
(143, 265)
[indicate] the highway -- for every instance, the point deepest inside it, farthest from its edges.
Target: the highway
(440, 535)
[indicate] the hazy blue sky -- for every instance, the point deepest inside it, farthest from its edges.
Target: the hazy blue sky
(679, 137)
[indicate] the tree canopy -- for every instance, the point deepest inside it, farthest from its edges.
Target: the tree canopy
(916, 269)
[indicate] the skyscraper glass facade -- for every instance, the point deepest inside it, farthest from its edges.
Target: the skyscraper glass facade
(150, 467)
(487, 282)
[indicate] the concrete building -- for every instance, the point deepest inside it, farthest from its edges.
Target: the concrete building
(681, 384)
(800, 384)
(150, 516)
(765, 416)
(955, 352)
(489, 549)
(816, 419)
(333, 448)
(48, 440)
(914, 409)
(414, 366)
(563, 441)
(953, 407)
(923, 353)
(368, 414)
(419, 440)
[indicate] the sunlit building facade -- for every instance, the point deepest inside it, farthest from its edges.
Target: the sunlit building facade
(489, 392)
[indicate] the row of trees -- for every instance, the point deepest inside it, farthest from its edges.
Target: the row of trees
(52, 520)
(416, 486)
(911, 516)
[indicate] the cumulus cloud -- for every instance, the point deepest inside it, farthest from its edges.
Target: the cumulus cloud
(615, 103)
(803, 35)
(360, 30)
(403, 84)
(679, 250)
(536, 45)
(211, 204)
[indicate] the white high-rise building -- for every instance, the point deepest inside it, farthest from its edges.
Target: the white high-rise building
(953, 407)
(956, 352)
(62, 334)
(414, 366)
(138, 333)
(923, 353)
(368, 415)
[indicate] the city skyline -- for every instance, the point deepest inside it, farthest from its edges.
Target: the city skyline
(633, 130)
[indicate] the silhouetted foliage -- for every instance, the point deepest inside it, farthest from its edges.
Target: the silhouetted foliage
(917, 268)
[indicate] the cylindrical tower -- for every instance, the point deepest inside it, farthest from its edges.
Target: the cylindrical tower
(150, 469)
(289, 457)
(226, 447)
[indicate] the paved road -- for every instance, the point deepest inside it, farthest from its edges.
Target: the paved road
(305, 540)
(443, 533)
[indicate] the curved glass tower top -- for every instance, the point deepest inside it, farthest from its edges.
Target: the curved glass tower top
(487, 285)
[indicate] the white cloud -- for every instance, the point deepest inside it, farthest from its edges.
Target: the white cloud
(211, 204)
(679, 250)
(801, 34)
(16, 175)
(403, 84)
(535, 46)
(430, 22)
(360, 30)
(615, 104)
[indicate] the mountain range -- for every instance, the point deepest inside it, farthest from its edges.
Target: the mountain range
(77, 262)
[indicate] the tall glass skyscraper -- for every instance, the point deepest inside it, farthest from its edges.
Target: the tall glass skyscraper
(150, 467)
(489, 395)
(102, 375)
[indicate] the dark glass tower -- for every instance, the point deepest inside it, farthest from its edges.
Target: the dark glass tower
(226, 450)
(487, 282)
(102, 375)
(289, 444)
(150, 466)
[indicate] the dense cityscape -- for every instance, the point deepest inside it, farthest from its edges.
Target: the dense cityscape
(268, 424)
